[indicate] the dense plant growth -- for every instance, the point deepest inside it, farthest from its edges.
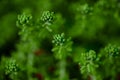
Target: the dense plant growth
(60, 40)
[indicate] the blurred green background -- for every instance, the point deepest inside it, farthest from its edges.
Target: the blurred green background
(99, 26)
(92, 24)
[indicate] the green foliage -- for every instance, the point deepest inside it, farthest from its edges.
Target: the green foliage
(11, 67)
(112, 50)
(88, 62)
(85, 9)
(47, 17)
(62, 46)
(109, 56)
(60, 40)
(24, 19)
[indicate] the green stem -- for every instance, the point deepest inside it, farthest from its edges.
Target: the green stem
(30, 65)
(62, 72)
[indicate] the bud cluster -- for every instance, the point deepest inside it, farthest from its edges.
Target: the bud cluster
(11, 67)
(24, 19)
(58, 39)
